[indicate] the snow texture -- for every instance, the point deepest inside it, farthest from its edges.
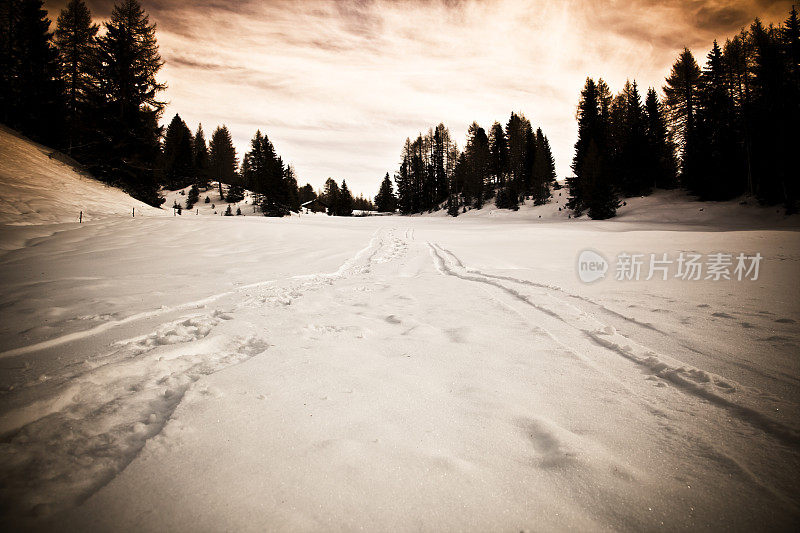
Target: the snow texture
(388, 373)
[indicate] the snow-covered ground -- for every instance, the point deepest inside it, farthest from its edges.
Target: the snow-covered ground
(216, 205)
(39, 188)
(397, 373)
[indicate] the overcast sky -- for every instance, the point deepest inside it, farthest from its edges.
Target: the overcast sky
(338, 85)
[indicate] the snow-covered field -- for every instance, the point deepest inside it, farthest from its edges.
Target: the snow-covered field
(396, 373)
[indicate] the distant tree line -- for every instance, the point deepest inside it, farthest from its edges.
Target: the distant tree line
(728, 129)
(510, 165)
(96, 98)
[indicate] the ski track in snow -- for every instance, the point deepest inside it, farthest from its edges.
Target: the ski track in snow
(702, 384)
(57, 451)
(557, 292)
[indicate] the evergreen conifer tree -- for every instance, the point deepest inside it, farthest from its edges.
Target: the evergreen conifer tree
(178, 164)
(682, 94)
(128, 118)
(345, 206)
(498, 150)
(477, 170)
(544, 169)
(385, 200)
(292, 192)
(75, 39)
(193, 196)
(200, 156)
(660, 153)
(31, 98)
(222, 158)
(331, 196)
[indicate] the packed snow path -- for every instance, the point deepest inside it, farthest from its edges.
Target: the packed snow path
(407, 389)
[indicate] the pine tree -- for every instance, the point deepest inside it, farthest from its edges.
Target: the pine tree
(200, 156)
(222, 158)
(31, 98)
(588, 129)
(592, 187)
(544, 169)
(178, 158)
(790, 42)
(477, 170)
(331, 195)
(264, 173)
(681, 90)
(660, 153)
(602, 202)
(452, 205)
(498, 150)
(292, 192)
(721, 163)
(75, 39)
(385, 200)
(345, 207)
(520, 156)
(629, 143)
(440, 144)
(404, 181)
(128, 118)
(193, 197)
(774, 117)
(235, 193)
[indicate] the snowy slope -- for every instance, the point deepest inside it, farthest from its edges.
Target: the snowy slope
(663, 207)
(40, 189)
(216, 205)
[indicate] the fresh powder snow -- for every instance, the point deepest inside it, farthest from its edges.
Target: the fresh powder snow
(201, 372)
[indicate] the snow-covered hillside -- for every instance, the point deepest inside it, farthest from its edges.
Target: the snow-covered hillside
(38, 188)
(672, 207)
(396, 373)
(215, 206)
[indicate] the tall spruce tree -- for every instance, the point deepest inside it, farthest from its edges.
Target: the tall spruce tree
(222, 158)
(404, 181)
(544, 169)
(774, 118)
(331, 196)
(385, 200)
(200, 156)
(592, 187)
(498, 153)
(660, 153)
(31, 98)
(721, 163)
(292, 191)
(345, 207)
(682, 95)
(629, 142)
(178, 156)
(440, 144)
(477, 170)
(128, 119)
(790, 45)
(75, 39)
(519, 134)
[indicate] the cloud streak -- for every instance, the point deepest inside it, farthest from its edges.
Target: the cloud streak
(338, 86)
